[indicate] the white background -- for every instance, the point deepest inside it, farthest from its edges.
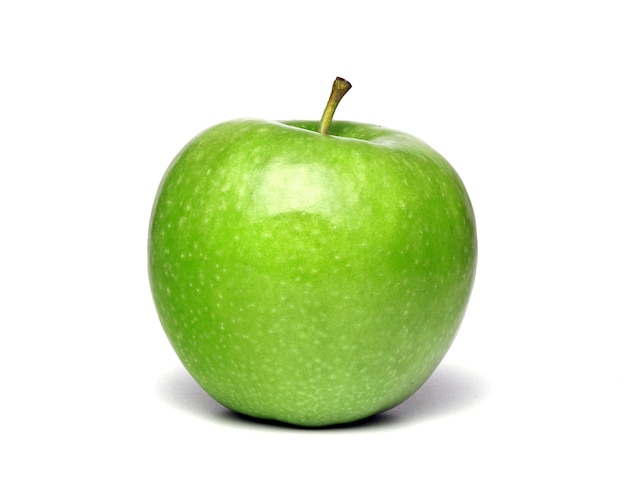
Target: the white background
(525, 99)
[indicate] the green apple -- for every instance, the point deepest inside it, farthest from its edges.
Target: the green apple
(310, 274)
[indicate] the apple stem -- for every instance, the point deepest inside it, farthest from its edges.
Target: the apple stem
(340, 88)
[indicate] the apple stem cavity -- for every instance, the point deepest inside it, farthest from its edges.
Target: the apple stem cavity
(340, 88)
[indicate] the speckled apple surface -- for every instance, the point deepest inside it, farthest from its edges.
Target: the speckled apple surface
(310, 279)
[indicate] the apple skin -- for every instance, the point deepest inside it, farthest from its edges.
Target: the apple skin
(306, 278)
